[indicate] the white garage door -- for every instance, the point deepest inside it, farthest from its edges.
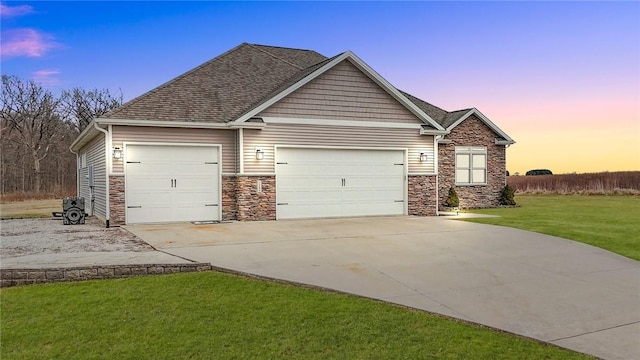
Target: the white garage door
(313, 183)
(171, 183)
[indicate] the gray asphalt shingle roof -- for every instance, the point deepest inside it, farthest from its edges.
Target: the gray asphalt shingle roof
(232, 84)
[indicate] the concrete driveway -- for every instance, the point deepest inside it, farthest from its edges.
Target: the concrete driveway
(555, 290)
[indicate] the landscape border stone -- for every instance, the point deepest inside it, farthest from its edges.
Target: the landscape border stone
(15, 277)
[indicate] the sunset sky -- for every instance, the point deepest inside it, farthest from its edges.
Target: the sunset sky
(561, 78)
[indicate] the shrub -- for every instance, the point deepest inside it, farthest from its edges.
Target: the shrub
(452, 199)
(506, 195)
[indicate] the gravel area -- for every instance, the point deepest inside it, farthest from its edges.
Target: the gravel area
(23, 237)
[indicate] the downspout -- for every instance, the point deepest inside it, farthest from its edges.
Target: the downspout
(107, 149)
(77, 172)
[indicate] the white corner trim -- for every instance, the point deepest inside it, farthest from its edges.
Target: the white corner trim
(366, 69)
(484, 119)
(241, 150)
(345, 123)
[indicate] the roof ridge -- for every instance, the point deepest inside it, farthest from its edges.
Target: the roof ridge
(257, 47)
(162, 86)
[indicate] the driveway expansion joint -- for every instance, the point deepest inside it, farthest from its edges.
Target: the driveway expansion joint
(594, 331)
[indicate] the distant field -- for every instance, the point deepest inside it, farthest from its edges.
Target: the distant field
(603, 183)
(30, 208)
(608, 222)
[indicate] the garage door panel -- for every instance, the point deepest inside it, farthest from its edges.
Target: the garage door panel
(339, 182)
(194, 197)
(147, 198)
(166, 183)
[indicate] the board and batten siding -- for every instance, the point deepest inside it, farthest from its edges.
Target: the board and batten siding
(95, 156)
(341, 93)
(226, 138)
(330, 136)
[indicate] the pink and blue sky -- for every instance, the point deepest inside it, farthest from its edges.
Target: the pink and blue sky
(561, 78)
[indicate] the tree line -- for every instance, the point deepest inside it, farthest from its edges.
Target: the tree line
(37, 128)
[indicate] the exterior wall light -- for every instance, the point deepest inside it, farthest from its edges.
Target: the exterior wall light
(259, 154)
(117, 153)
(423, 157)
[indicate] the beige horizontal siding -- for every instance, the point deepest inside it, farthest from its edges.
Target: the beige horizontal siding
(315, 135)
(95, 157)
(342, 93)
(227, 138)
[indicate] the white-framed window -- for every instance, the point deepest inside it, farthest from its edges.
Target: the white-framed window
(471, 165)
(83, 160)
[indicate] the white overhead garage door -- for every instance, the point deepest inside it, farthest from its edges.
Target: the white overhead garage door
(168, 183)
(312, 183)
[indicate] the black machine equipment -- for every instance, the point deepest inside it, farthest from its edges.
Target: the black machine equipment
(73, 210)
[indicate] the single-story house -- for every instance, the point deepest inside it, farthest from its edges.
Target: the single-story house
(266, 133)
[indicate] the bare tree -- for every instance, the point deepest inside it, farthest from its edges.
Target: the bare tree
(79, 107)
(29, 112)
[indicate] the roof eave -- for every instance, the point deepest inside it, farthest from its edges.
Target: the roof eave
(484, 119)
(181, 124)
(85, 136)
(504, 142)
(433, 132)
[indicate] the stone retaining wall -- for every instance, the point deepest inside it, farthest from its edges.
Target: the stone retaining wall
(13, 277)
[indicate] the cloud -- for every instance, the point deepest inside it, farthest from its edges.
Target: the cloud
(14, 11)
(25, 42)
(46, 77)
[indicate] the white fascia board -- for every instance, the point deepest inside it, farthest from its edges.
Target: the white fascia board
(366, 69)
(85, 136)
(433, 132)
(486, 120)
(504, 142)
(178, 124)
(345, 123)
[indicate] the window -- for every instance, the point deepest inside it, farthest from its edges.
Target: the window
(83, 160)
(471, 165)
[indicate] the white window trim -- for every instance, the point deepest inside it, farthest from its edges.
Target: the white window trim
(471, 151)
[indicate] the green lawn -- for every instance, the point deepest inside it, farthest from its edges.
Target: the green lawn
(608, 222)
(215, 315)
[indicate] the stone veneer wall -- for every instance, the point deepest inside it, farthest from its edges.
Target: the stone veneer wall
(253, 204)
(116, 200)
(229, 198)
(422, 195)
(13, 277)
(472, 132)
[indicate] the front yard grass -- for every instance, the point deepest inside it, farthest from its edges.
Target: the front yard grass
(214, 315)
(30, 208)
(608, 222)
